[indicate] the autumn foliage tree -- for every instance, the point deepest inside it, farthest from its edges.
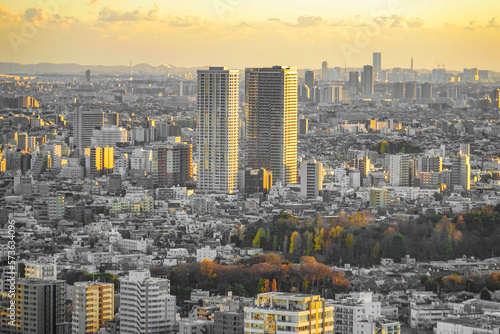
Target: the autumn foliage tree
(355, 238)
(262, 273)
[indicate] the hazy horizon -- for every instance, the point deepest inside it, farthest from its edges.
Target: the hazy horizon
(241, 34)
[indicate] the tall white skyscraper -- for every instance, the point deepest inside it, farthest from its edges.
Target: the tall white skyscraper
(217, 106)
(145, 304)
(86, 120)
(271, 110)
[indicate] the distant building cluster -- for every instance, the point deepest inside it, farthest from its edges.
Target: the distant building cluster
(112, 183)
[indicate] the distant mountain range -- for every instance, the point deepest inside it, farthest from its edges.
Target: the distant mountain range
(77, 69)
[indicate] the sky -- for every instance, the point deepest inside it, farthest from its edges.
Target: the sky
(455, 34)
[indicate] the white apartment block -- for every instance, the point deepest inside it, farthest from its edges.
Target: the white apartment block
(468, 326)
(359, 314)
(108, 136)
(217, 106)
(133, 245)
(427, 317)
(145, 304)
(399, 170)
(46, 271)
(205, 253)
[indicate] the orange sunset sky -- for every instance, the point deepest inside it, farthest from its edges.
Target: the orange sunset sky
(239, 33)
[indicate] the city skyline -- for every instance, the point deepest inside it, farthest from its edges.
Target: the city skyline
(161, 32)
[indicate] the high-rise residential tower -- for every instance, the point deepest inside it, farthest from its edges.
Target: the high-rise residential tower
(353, 84)
(271, 109)
(172, 163)
(217, 106)
(22, 141)
(310, 79)
(86, 120)
(324, 71)
(460, 171)
(145, 304)
(377, 65)
(40, 307)
(311, 179)
(399, 170)
(368, 80)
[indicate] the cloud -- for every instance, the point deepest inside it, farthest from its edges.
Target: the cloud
(38, 14)
(94, 2)
(493, 24)
(308, 21)
(109, 14)
(393, 21)
(242, 29)
(4, 12)
(400, 22)
(40, 17)
(186, 21)
(303, 21)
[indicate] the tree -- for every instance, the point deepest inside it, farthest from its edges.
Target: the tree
(305, 285)
(285, 243)
(424, 279)
(349, 240)
(294, 242)
(398, 247)
(384, 146)
(493, 281)
(339, 279)
(307, 259)
(261, 287)
(207, 268)
(239, 290)
(319, 242)
(376, 250)
(261, 233)
(273, 287)
(275, 243)
(309, 241)
(266, 286)
(485, 294)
